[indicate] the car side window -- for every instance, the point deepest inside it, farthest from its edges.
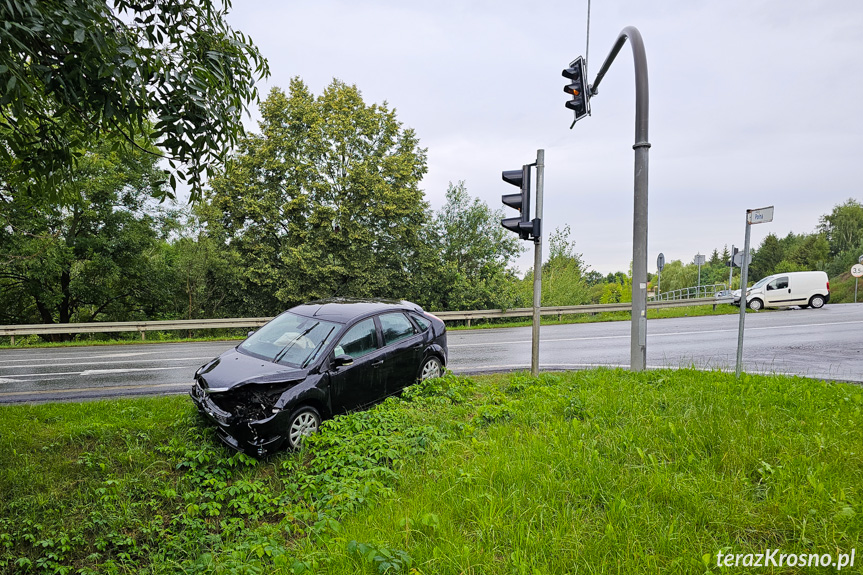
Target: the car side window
(359, 340)
(778, 283)
(395, 327)
(421, 321)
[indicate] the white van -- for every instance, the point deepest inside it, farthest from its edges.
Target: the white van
(793, 288)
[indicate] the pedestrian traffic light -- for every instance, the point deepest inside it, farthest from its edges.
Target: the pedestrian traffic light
(521, 225)
(578, 88)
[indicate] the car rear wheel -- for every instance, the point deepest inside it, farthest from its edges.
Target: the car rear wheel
(756, 304)
(817, 301)
(303, 421)
(432, 367)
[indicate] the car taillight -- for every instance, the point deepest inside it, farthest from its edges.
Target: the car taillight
(828, 286)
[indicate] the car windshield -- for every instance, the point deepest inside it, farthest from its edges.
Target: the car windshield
(762, 282)
(291, 339)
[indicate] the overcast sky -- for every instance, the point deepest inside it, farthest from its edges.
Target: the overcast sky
(752, 103)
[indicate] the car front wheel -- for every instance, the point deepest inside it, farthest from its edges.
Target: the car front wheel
(817, 301)
(755, 304)
(431, 368)
(304, 421)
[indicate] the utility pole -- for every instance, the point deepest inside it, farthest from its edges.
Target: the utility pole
(537, 265)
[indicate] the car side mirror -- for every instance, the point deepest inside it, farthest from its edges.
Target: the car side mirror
(343, 361)
(250, 333)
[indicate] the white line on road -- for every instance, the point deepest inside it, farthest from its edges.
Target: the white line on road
(128, 354)
(97, 389)
(49, 363)
(675, 333)
(129, 370)
(87, 372)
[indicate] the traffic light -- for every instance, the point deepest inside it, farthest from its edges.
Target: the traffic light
(578, 88)
(731, 262)
(522, 225)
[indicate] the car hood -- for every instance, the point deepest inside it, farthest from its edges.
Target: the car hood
(233, 369)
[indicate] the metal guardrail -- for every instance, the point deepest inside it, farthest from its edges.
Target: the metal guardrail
(144, 326)
(691, 292)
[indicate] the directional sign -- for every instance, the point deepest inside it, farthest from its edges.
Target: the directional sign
(700, 259)
(857, 270)
(738, 259)
(660, 261)
(759, 216)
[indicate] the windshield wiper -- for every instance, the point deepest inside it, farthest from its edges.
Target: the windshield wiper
(285, 349)
(317, 347)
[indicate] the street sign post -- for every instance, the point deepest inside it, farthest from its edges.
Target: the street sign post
(856, 271)
(660, 263)
(759, 216)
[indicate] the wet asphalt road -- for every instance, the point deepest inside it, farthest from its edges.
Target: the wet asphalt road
(825, 343)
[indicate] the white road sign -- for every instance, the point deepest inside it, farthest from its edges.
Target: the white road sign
(857, 270)
(759, 216)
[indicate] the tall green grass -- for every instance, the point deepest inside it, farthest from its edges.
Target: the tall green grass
(600, 471)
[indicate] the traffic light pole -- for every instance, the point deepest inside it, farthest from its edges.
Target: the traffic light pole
(537, 265)
(638, 334)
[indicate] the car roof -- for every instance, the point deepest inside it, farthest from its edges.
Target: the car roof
(344, 310)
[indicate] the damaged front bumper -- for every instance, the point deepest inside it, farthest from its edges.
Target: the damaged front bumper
(255, 437)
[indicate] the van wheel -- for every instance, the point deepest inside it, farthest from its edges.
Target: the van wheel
(755, 304)
(817, 301)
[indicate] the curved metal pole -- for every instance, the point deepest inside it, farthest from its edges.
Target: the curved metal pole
(638, 335)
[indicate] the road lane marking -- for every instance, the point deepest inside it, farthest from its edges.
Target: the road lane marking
(129, 354)
(89, 372)
(128, 370)
(48, 363)
(96, 389)
(675, 333)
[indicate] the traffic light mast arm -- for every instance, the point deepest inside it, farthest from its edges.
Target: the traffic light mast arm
(642, 100)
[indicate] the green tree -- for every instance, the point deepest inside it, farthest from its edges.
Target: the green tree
(97, 258)
(72, 69)
(677, 275)
(843, 227)
(206, 270)
(563, 274)
(475, 252)
(324, 201)
(811, 252)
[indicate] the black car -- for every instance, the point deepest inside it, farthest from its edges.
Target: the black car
(312, 362)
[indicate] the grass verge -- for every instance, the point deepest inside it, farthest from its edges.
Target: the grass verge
(600, 471)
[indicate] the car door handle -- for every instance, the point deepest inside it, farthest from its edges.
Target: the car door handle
(418, 346)
(378, 363)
